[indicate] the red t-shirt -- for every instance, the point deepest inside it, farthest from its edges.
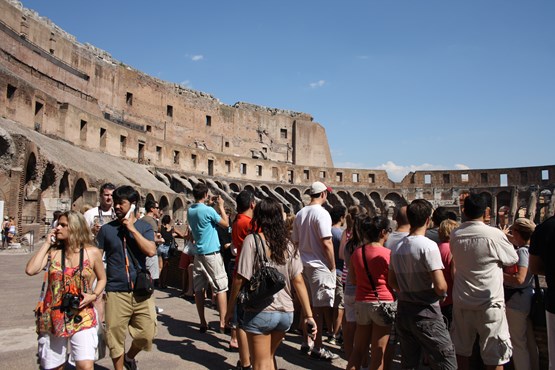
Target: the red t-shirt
(239, 230)
(377, 258)
(445, 251)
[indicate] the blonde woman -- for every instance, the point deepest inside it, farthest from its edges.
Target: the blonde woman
(67, 315)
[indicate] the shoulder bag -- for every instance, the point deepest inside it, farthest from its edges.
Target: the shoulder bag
(266, 281)
(387, 310)
(143, 285)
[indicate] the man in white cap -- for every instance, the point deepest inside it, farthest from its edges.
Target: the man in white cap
(312, 234)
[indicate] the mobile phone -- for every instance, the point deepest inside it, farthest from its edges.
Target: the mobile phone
(310, 329)
(53, 239)
(131, 210)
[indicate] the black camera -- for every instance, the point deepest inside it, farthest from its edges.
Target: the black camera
(70, 302)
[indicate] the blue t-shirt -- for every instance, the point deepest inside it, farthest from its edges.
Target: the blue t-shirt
(110, 239)
(203, 221)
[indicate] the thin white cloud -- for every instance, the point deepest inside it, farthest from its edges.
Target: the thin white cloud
(187, 84)
(317, 84)
(459, 166)
(350, 165)
(198, 57)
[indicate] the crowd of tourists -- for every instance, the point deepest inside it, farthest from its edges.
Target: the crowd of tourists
(445, 292)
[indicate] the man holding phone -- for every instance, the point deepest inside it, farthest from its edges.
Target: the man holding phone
(208, 264)
(122, 239)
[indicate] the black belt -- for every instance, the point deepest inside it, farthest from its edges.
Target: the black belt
(211, 254)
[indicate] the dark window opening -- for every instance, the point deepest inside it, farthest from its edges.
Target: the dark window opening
(208, 120)
(129, 98)
(103, 138)
(306, 174)
(243, 169)
(258, 170)
(227, 144)
(83, 130)
(290, 176)
(176, 156)
(283, 133)
(322, 174)
(355, 177)
(148, 128)
(38, 108)
(339, 177)
(484, 178)
(228, 166)
(446, 178)
(371, 178)
(123, 143)
(194, 159)
(210, 167)
(158, 153)
(141, 156)
(169, 111)
(10, 91)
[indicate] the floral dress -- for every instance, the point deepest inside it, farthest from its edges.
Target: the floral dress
(52, 319)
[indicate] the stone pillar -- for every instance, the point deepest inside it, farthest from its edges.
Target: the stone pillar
(494, 210)
(532, 205)
(514, 205)
(551, 208)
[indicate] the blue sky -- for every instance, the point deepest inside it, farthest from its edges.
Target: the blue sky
(398, 85)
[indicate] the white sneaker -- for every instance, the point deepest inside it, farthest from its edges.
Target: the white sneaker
(159, 310)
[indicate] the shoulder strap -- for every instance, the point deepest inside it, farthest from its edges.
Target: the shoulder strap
(260, 250)
(368, 271)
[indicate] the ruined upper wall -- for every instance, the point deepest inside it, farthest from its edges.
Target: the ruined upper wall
(164, 111)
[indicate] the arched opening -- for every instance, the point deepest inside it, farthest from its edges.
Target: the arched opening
(48, 178)
(178, 211)
(64, 186)
(79, 190)
(234, 187)
(164, 204)
(148, 197)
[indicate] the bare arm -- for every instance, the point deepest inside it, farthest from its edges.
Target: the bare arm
(236, 285)
(518, 278)
(536, 265)
(224, 221)
(342, 245)
(302, 294)
(440, 285)
(327, 246)
(95, 257)
(392, 279)
(147, 247)
(39, 259)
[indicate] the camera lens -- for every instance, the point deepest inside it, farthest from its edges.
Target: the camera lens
(77, 319)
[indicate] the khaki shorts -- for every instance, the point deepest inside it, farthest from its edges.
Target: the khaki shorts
(321, 283)
(339, 300)
(350, 314)
(125, 312)
(491, 325)
(209, 269)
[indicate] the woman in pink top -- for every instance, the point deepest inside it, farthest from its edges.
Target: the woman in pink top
(444, 232)
(371, 261)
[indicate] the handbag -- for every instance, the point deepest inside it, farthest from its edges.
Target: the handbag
(172, 252)
(537, 310)
(386, 310)
(266, 281)
(143, 285)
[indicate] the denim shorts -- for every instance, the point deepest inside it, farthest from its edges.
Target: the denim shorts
(163, 251)
(264, 322)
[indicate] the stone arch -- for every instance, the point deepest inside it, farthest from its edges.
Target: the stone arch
(346, 197)
(378, 204)
(396, 198)
(178, 209)
(149, 196)
(79, 190)
(164, 204)
(63, 189)
(250, 188)
(296, 193)
(234, 187)
(366, 202)
(31, 189)
(220, 185)
(48, 177)
(503, 207)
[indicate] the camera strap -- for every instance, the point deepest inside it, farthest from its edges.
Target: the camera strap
(81, 254)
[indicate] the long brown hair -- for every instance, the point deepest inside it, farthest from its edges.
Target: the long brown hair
(268, 217)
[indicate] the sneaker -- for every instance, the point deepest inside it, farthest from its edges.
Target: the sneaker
(130, 364)
(159, 310)
(323, 354)
(305, 347)
(332, 340)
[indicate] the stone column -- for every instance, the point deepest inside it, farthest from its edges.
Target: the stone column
(514, 205)
(494, 210)
(532, 204)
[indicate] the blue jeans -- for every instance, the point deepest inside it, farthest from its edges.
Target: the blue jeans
(163, 251)
(264, 322)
